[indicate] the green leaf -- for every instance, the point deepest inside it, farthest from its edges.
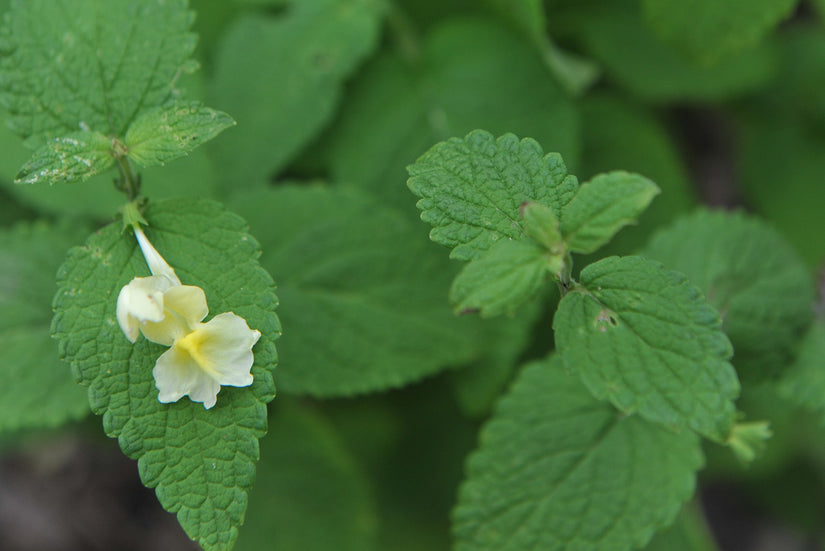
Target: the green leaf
(166, 133)
(502, 279)
(363, 295)
(804, 382)
(602, 207)
(91, 64)
(472, 189)
(38, 389)
(622, 134)
(574, 72)
(309, 494)
(200, 462)
(647, 340)
(650, 68)
(395, 111)
(745, 269)
(707, 30)
(71, 158)
(280, 105)
(557, 469)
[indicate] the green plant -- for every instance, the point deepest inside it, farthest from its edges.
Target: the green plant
(585, 370)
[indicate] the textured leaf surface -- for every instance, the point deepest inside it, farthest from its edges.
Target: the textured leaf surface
(650, 68)
(502, 279)
(166, 133)
(97, 197)
(365, 297)
(804, 382)
(647, 340)
(602, 206)
(38, 389)
(707, 30)
(309, 494)
(745, 269)
(472, 189)
(70, 158)
(395, 111)
(91, 64)
(200, 462)
(282, 103)
(558, 469)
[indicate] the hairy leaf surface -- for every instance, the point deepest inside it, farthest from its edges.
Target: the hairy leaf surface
(602, 206)
(745, 269)
(472, 189)
(166, 133)
(200, 462)
(647, 340)
(558, 469)
(502, 279)
(91, 64)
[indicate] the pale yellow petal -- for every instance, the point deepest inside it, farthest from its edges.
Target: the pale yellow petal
(184, 308)
(177, 375)
(222, 347)
(141, 300)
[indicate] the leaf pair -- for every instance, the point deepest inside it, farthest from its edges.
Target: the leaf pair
(516, 214)
(89, 82)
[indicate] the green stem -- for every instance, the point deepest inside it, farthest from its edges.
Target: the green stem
(129, 182)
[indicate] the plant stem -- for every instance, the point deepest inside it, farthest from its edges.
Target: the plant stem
(129, 182)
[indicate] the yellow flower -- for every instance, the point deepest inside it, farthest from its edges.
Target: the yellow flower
(203, 356)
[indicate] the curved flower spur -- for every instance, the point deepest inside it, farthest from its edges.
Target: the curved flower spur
(202, 356)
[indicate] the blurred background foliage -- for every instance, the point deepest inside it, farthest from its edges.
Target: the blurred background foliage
(343, 95)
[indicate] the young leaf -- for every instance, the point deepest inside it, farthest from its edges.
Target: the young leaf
(623, 134)
(290, 510)
(70, 158)
(744, 268)
(707, 30)
(201, 462)
(38, 389)
(472, 189)
(309, 49)
(647, 340)
(504, 277)
(91, 64)
(396, 111)
(363, 294)
(558, 469)
(602, 206)
(166, 133)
